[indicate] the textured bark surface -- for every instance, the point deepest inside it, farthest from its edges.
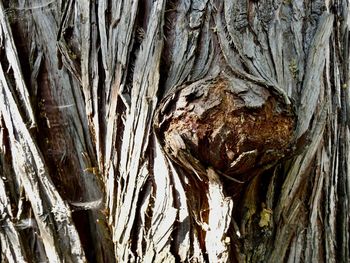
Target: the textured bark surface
(106, 108)
(234, 126)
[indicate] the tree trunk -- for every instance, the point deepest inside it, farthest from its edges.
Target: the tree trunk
(174, 131)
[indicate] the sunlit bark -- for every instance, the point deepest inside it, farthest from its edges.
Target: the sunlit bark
(89, 174)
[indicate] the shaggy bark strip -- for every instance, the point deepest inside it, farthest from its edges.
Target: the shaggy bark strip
(11, 53)
(221, 178)
(10, 241)
(218, 241)
(33, 175)
(135, 140)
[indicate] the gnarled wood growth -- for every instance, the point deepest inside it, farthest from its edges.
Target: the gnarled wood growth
(223, 131)
(105, 107)
(234, 126)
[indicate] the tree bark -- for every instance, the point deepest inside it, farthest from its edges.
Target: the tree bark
(174, 131)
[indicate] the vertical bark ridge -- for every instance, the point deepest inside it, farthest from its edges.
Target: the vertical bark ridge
(137, 134)
(103, 67)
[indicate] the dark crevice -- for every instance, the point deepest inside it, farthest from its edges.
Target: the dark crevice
(342, 205)
(21, 43)
(138, 36)
(101, 105)
(175, 234)
(168, 31)
(82, 221)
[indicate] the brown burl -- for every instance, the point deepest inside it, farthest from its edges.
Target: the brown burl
(234, 126)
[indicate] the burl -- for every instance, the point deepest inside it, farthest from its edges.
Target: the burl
(234, 126)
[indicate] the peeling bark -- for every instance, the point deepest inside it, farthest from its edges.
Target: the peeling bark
(106, 108)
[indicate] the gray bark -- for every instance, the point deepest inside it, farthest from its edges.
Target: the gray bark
(89, 174)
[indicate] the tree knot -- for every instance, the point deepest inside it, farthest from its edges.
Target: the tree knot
(235, 126)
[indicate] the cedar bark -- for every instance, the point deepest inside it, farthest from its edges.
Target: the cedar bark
(89, 174)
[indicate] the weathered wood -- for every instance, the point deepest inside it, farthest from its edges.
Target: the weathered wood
(95, 166)
(48, 207)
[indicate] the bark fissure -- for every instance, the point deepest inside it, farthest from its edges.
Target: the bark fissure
(174, 131)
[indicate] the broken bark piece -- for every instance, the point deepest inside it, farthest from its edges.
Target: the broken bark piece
(233, 125)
